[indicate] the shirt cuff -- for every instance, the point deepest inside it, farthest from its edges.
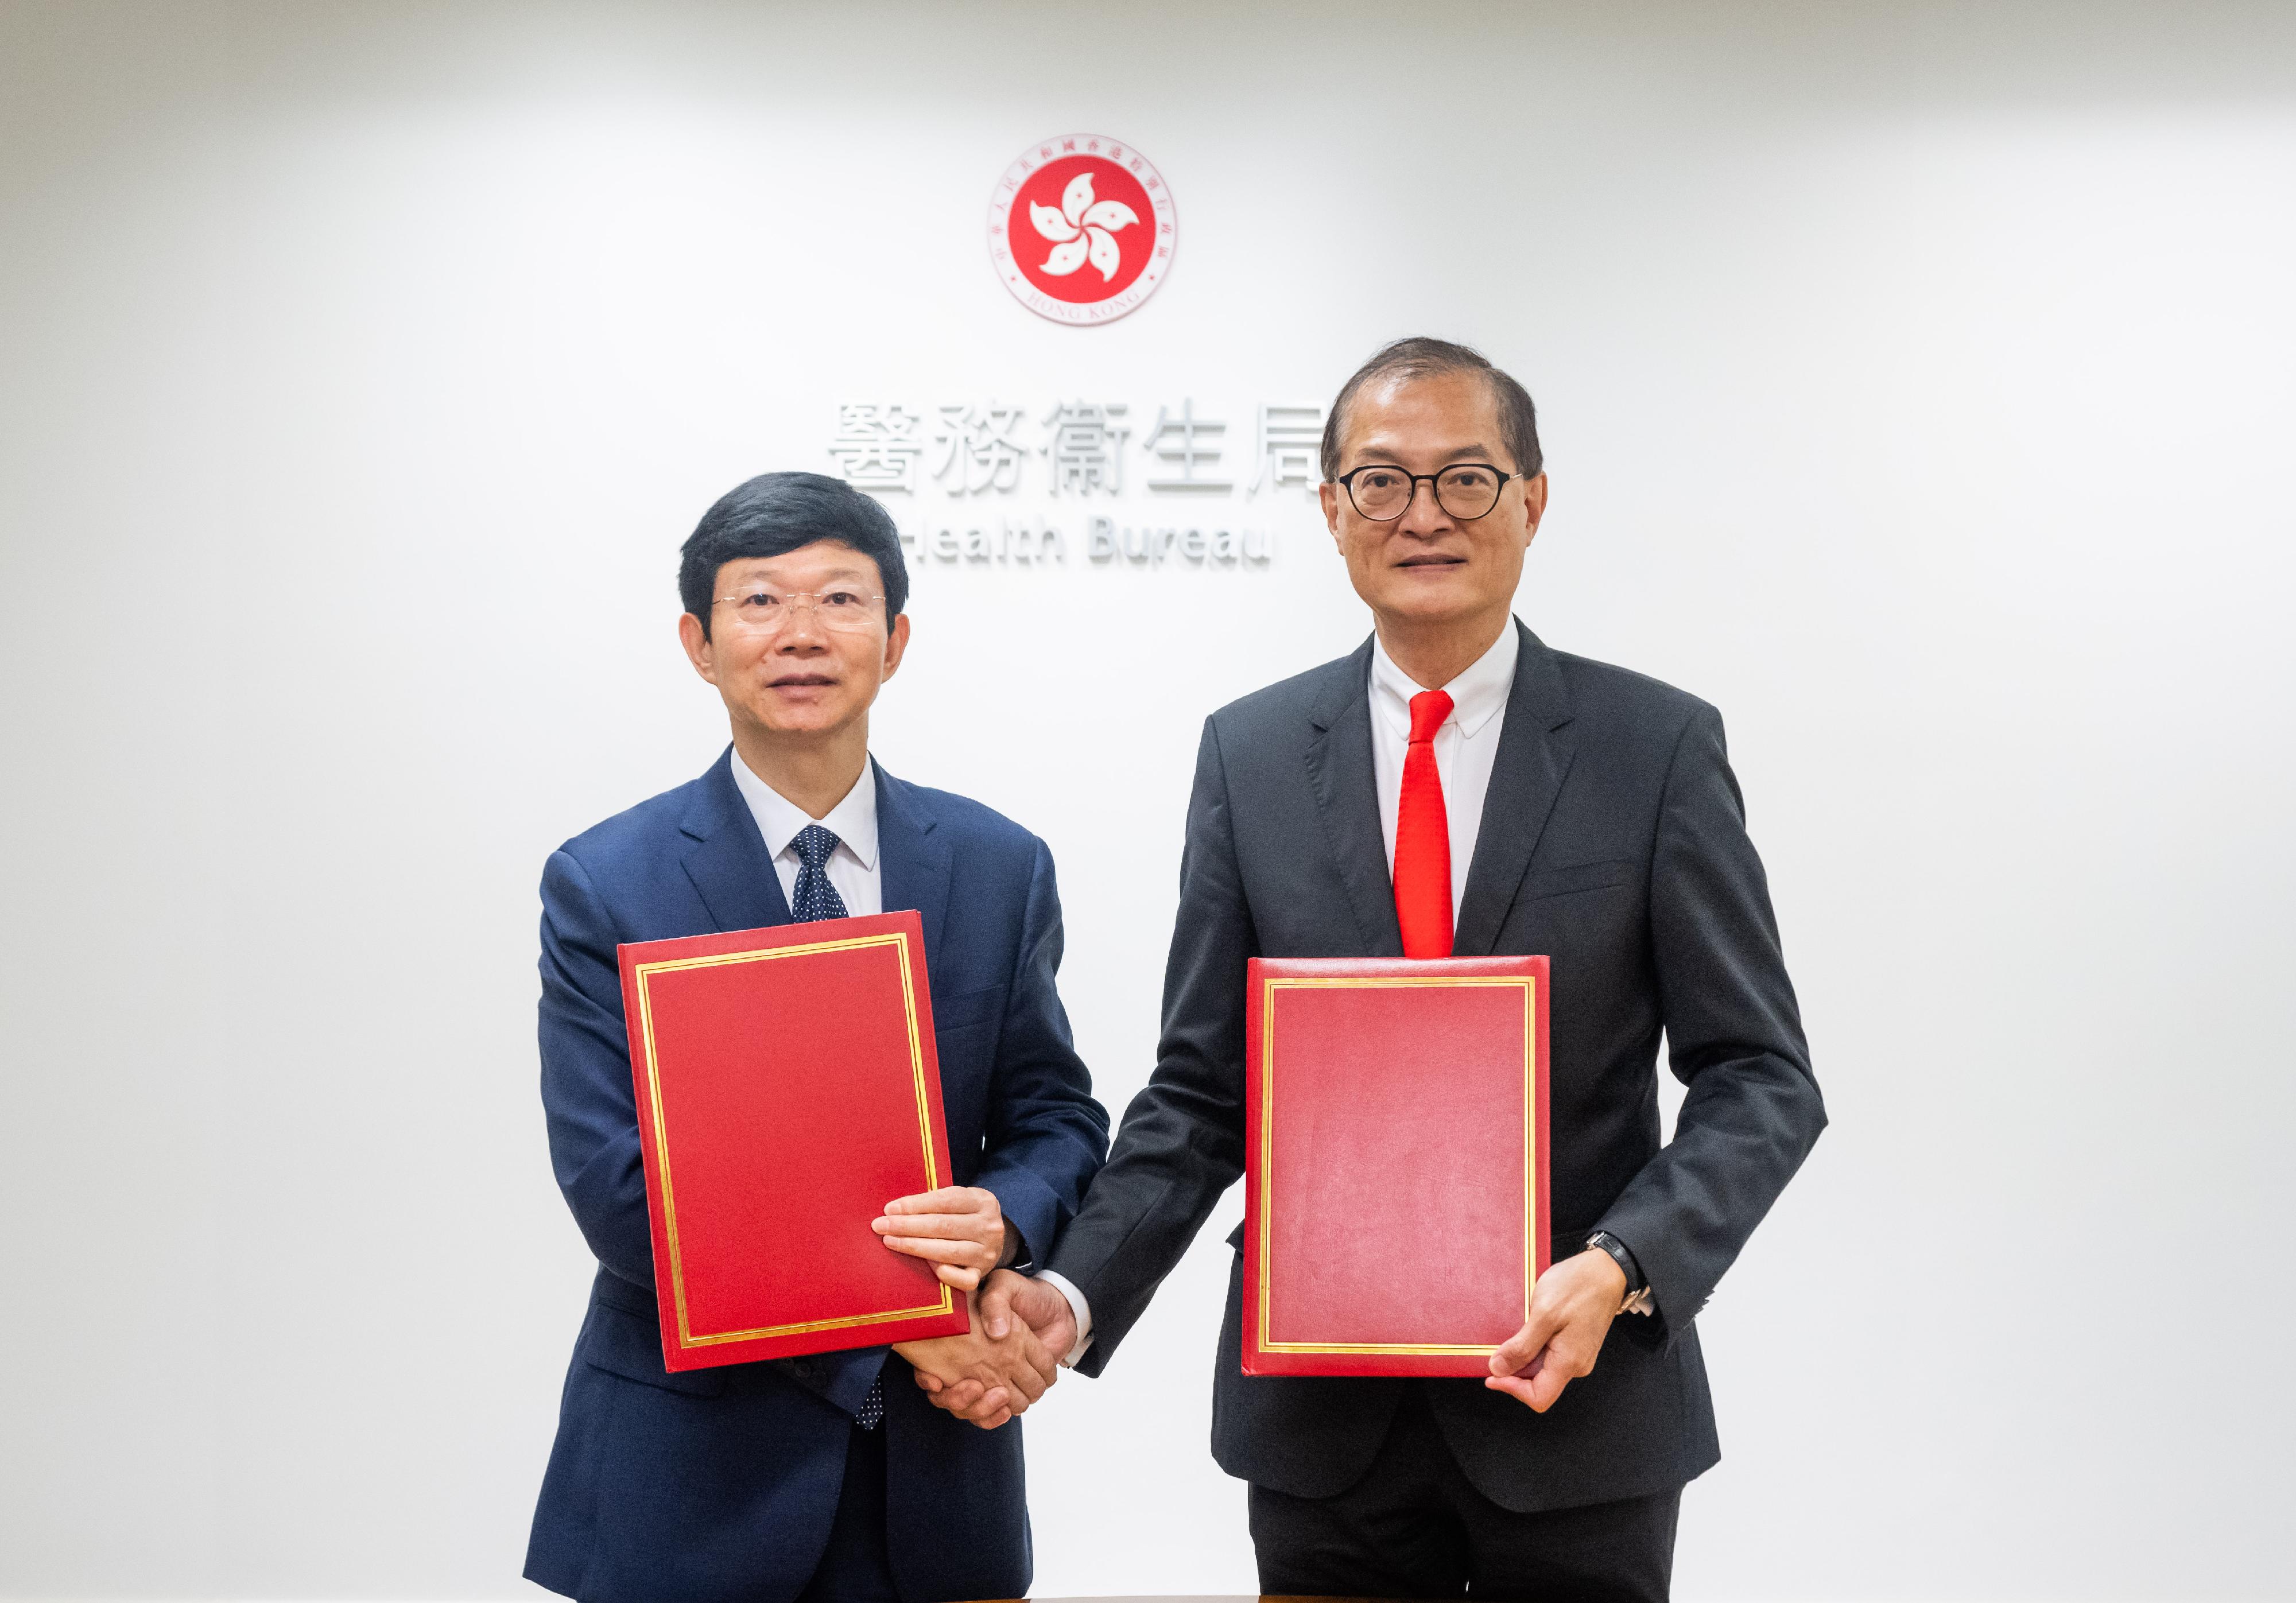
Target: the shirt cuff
(1077, 1307)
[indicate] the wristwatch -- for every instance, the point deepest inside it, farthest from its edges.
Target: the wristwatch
(1638, 1299)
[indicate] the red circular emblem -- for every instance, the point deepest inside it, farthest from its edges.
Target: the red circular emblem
(1081, 228)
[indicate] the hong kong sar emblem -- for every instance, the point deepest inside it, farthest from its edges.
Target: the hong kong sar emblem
(1081, 228)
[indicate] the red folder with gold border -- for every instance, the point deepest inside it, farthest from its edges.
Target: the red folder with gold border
(1395, 1202)
(787, 1090)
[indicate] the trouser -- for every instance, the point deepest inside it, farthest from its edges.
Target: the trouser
(855, 1567)
(1414, 1526)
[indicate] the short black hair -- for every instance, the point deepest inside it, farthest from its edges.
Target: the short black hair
(774, 514)
(1422, 357)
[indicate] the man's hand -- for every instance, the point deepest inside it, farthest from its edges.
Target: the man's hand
(958, 1230)
(1011, 1307)
(982, 1378)
(1036, 1303)
(1571, 1312)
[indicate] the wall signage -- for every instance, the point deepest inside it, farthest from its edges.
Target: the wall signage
(1081, 228)
(1095, 481)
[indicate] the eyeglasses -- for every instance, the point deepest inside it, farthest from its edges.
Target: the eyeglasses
(758, 610)
(1465, 489)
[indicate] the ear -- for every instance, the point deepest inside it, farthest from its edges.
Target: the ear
(1328, 493)
(698, 649)
(1534, 505)
(896, 642)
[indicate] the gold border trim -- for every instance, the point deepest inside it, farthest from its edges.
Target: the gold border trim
(644, 974)
(1528, 984)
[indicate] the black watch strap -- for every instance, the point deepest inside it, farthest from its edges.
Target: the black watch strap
(1637, 1297)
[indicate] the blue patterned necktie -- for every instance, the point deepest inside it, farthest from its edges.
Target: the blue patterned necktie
(817, 898)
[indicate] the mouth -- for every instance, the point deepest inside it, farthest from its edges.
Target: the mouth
(1432, 559)
(798, 681)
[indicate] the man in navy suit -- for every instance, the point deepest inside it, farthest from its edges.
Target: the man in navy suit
(831, 1476)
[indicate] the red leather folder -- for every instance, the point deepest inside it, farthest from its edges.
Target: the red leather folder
(1394, 1203)
(787, 1090)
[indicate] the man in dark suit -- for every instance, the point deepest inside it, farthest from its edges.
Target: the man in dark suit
(1454, 762)
(813, 1477)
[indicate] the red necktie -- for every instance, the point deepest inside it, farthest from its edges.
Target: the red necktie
(1422, 837)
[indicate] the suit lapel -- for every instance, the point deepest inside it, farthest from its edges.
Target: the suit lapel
(1534, 757)
(731, 870)
(1347, 795)
(912, 857)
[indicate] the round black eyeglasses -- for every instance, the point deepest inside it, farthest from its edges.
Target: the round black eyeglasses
(1465, 489)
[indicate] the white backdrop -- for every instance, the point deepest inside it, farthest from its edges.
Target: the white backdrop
(1917, 384)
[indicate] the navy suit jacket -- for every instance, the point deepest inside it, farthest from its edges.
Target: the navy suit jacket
(721, 1483)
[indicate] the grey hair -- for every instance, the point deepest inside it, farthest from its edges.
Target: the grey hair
(1421, 357)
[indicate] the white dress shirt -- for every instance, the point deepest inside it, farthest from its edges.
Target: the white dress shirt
(1466, 747)
(852, 867)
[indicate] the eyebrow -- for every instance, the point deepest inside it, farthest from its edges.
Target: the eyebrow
(1475, 453)
(853, 573)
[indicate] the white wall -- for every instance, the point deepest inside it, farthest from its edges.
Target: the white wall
(1917, 386)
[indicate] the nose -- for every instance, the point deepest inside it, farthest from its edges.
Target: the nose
(1424, 517)
(803, 624)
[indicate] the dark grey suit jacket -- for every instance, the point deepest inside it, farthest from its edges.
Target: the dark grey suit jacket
(1613, 840)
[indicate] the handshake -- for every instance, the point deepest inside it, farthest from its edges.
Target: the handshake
(1020, 1328)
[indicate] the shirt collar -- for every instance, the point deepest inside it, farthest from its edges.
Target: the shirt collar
(1477, 695)
(853, 821)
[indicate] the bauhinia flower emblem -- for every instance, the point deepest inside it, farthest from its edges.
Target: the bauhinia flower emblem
(1082, 229)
